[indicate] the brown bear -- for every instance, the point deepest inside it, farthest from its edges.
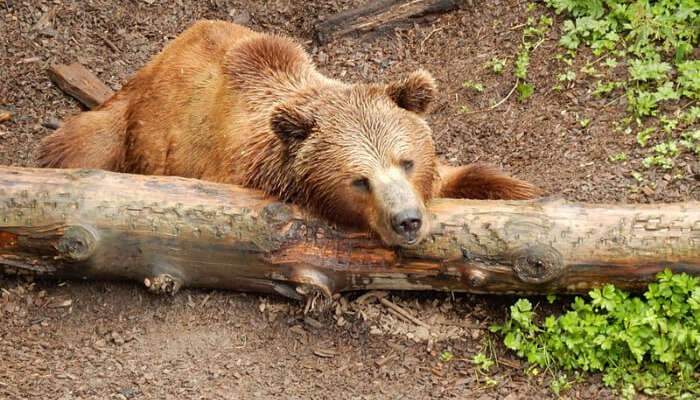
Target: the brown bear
(226, 104)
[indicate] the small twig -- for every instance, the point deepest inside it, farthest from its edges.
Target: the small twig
(510, 363)
(386, 358)
(398, 315)
(687, 104)
(472, 326)
(614, 100)
(429, 35)
(403, 312)
(109, 43)
(478, 34)
(537, 45)
(497, 104)
(594, 62)
(377, 294)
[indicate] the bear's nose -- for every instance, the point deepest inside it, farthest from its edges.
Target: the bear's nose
(406, 223)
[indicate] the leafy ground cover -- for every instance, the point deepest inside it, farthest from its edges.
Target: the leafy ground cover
(648, 343)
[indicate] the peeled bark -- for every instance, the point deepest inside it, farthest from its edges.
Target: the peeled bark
(167, 232)
(81, 83)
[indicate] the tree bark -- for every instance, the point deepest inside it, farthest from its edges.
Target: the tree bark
(168, 231)
(81, 83)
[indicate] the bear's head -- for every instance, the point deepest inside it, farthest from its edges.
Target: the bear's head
(363, 155)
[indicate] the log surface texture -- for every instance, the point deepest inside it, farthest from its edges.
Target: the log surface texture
(167, 232)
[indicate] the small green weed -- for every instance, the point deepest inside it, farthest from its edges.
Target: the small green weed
(618, 157)
(473, 85)
(497, 64)
(482, 361)
(524, 91)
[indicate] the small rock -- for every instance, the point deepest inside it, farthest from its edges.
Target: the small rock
(117, 338)
(5, 115)
(422, 333)
(53, 124)
(475, 333)
(239, 16)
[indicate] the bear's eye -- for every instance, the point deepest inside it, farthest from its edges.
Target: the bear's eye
(407, 165)
(361, 184)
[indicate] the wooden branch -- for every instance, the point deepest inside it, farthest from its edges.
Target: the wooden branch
(80, 83)
(167, 232)
(378, 14)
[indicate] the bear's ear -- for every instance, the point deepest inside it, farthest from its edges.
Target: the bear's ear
(414, 93)
(291, 124)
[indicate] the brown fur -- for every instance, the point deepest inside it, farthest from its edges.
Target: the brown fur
(226, 104)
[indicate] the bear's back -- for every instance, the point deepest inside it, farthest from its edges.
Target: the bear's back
(180, 105)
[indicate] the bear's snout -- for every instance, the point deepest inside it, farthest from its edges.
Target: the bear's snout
(407, 223)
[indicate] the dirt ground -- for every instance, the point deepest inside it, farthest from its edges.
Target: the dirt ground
(74, 340)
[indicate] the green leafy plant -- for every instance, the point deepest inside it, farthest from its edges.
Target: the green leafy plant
(691, 141)
(566, 76)
(618, 157)
(649, 343)
(496, 64)
(637, 176)
(482, 361)
(655, 41)
(663, 156)
(644, 135)
(533, 30)
(610, 62)
(473, 85)
(522, 64)
(524, 91)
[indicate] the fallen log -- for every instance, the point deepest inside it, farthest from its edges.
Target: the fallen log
(168, 232)
(379, 14)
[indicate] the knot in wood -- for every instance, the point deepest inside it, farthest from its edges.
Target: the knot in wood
(476, 278)
(77, 243)
(537, 264)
